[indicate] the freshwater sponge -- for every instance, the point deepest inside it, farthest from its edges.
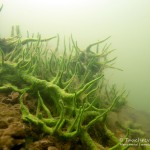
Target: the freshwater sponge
(71, 93)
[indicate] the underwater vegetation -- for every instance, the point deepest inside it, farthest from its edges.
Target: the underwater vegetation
(70, 89)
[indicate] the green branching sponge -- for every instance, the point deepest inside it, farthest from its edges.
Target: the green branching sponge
(69, 87)
(1, 7)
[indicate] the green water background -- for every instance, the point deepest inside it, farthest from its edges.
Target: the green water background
(126, 21)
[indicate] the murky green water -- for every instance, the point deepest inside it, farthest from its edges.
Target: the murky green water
(88, 21)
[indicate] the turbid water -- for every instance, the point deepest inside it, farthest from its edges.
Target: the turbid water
(127, 22)
(88, 21)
